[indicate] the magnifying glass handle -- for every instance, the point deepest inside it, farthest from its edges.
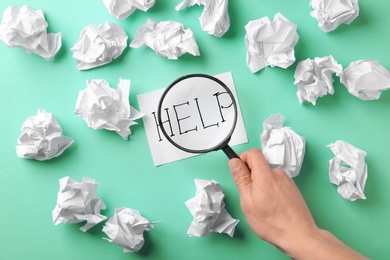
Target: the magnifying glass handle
(229, 152)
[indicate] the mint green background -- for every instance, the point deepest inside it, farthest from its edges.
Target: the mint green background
(125, 170)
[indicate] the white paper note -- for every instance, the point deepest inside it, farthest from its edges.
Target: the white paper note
(282, 147)
(26, 28)
(215, 17)
(366, 79)
(330, 14)
(168, 39)
(77, 202)
(103, 107)
(121, 9)
(162, 150)
(42, 138)
(270, 43)
(126, 228)
(314, 78)
(348, 170)
(208, 210)
(99, 45)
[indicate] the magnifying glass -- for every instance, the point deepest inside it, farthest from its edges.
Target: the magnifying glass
(197, 113)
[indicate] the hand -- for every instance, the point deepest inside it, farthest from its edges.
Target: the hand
(276, 211)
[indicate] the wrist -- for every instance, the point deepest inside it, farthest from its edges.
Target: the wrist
(316, 243)
(301, 244)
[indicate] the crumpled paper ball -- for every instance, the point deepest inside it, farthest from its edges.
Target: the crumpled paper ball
(126, 228)
(77, 202)
(270, 43)
(103, 107)
(313, 78)
(42, 138)
(366, 79)
(208, 210)
(330, 14)
(26, 28)
(281, 146)
(215, 18)
(348, 170)
(168, 39)
(100, 45)
(122, 9)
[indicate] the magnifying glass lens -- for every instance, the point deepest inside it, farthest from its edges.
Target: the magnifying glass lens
(197, 113)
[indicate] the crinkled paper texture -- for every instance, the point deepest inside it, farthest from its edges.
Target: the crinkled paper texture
(42, 138)
(348, 170)
(100, 45)
(167, 39)
(208, 210)
(26, 28)
(77, 202)
(215, 17)
(122, 9)
(366, 79)
(270, 43)
(126, 228)
(282, 147)
(330, 14)
(103, 107)
(314, 78)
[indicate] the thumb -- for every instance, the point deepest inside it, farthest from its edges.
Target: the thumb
(241, 175)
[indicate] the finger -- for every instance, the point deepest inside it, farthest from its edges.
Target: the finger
(256, 162)
(242, 177)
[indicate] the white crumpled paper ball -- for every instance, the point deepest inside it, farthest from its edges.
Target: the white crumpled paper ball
(99, 45)
(121, 9)
(208, 210)
(77, 202)
(168, 39)
(366, 79)
(330, 14)
(42, 138)
(282, 147)
(26, 28)
(270, 43)
(103, 107)
(348, 170)
(126, 228)
(314, 78)
(215, 18)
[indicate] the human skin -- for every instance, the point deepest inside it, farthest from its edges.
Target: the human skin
(276, 211)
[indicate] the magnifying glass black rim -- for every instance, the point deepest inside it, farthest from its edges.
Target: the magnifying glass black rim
(223, 143)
